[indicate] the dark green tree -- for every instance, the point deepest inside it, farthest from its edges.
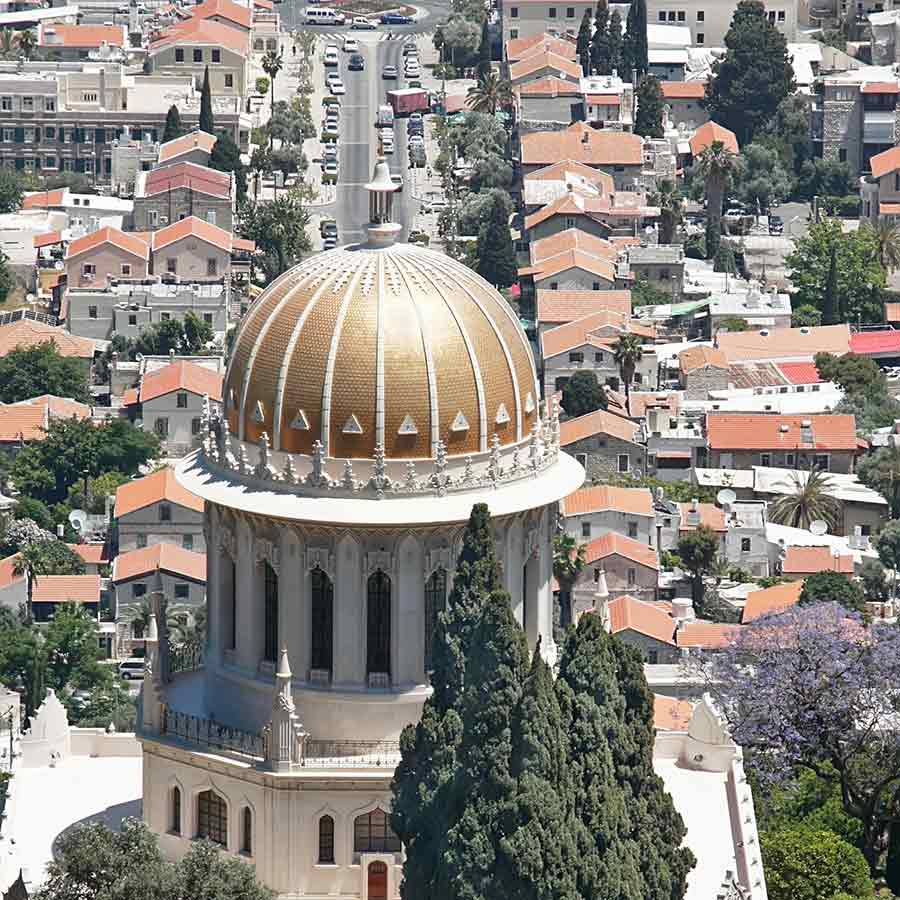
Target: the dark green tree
(892, 865)
(582, 394)
(600, 60)
(226, 157)
(881, 472)
(753, 77)
(830, 297)
(698, 550)
(173, 128)
(496, 254)
(583, 43)
(648, 121)
(852, 373)
(27, 372)
(12, 190)
(806, 316)
(207, 123)
(7, 279)
(635, 55)
(615, 42)
(484, 50)
(279, 230)
(832, 587)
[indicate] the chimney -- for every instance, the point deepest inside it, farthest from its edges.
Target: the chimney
(171, 354)
(693, 516)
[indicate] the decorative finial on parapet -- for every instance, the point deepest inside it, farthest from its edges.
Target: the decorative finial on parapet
(284, 733)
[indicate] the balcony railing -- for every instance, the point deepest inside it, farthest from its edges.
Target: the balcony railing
(211, 734)
(350, 754)
(185, 658)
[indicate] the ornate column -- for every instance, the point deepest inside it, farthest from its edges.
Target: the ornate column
(248, 602)
(349, 614)
(285, 734)
(408, 614)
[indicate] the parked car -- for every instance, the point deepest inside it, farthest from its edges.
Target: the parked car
(330, 151)
(389, 72)
(329, 243)
(351, 45)
(337, 87)
(131, 668)
(395, 19)
(412, 69)
(434, 206)
(410, 49)
(332, 58)
(776, 225)
(357, 63)
(387, 144)
(329, 171)
(330, 132)
(328, 227)
(361, 24)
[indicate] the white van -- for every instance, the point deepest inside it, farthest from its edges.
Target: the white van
(324, 17)
(131, 668)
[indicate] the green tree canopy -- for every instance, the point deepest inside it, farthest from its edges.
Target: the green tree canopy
(698, 550)
(753, 77)
(803, 864)
(583, 394)
(806, 316)
(761, 177)
(496, 254)
(648, 121)
(635, 55)
(852, 373)
(12, 190)
(27, 372)
(881, 472)
(173, 127)
(207, 123)
(860, 279)
(832, 587)
(279, 229)
(226, 157)
(7, 278)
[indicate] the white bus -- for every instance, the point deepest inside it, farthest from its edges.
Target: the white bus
(324, 17)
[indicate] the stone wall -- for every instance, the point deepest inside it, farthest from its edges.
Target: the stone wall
(700, 382)
(601, 457)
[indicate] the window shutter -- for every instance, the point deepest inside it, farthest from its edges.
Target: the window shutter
(79, 165)
(20, 136)
(100, 136)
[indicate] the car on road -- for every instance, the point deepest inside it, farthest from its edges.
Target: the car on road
(776, 225)
(387, 143)
(324, 17)
(434, 206)
(417, 157)
(415, 118)
(395, 19)
(384, 118)
(332, 58)
(361, 24)
(412, 70)
(330, 151)
(329, 243)
(351, 45)
(328, 228)
(331, 78)
(329, 171)
(357, 63)
(337, 87)
(389, 72)
(410, 49)
(131, 668)
(414, 84)
(415, 140)
(330, 132)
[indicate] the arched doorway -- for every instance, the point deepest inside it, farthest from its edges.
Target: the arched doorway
(377, 881)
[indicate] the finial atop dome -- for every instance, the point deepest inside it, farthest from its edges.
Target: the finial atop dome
(382, 231)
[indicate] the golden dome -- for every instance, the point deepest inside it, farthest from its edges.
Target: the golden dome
(399, 347)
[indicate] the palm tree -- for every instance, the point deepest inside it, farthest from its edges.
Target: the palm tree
(887, 234)
(715, 165)
(33, 562)
(809, 501)
(7, 42)
(627, 352)
(489, 94)
(272, 64)
(27, 42)
(139, 618)
(569, 560)
(671, 205)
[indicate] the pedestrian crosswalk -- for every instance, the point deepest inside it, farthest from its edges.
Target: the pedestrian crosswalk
(364, 37)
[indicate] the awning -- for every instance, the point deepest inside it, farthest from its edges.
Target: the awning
(602, 99)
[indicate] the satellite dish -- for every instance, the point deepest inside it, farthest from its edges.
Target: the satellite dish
(818, 527)
(78, 520)
(726, 497)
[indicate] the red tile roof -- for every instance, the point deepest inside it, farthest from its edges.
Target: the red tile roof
(628, 614)
(586, 330)
(564, 169)
(800, 373)
(763, 431)
(180, 376)
(635, 501)
(887, 341)
(700, 357)
(885, 162)
(641, 401)
(44, 199)
(599, 422)
(670, 714)
(548, 86)
(602, 99)
(165, 557)
(566, 306)
(124, 241)
(194, 140)
(66, 589)
(187, 175)
(192, 227)
(584, 144)
(792, 344)
(23, 423)
(709, 635)
(7, 571)
(550, 247)
(881, 87)
(161, 485)
(683, 90)
(771, 600)
(224, 9)
(519, 48)
(48, 239)
(708, 134)
(88, 37)
(809, 560)
(710, 516)
(28, 333)
(614, 544)
(203, 31)
(93, 554)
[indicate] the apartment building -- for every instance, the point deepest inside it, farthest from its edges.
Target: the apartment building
(71, 120)
(522, 19)
(709, 22)
(174, 192)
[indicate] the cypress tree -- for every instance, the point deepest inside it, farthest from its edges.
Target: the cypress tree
(830, 300)
(600, 40)
(174, 128)
(635, 54)
(648, 121)
(614, 40)
(483, 801)
(424, 780)
(226, 157)
(206, 114)
(484, 51)
(657, 827)
(496, 254)
(583, 43)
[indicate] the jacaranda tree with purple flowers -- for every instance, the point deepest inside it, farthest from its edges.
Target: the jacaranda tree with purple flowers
(814, 688)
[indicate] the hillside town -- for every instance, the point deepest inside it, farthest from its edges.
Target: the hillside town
(449, 450)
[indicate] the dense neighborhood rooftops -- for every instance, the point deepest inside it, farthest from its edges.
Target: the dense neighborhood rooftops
(614, 544)
(771, 600)
(626, 613)
(66, 589)
(581, 331)
(550, 247)
(193, 227)
(548, 86)
(706, 635)
(92, 554)
(224, 9)
(634, 501)
(560, 307)
(641, 401)
(29, 420)
(809, 560)
(599, 422)
(535, 62)
(885, 341)
(153, 488)
(750, 431)
(584, 144)
(160, 557)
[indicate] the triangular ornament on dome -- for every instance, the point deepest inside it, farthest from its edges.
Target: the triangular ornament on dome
(460, 423)
(352, 426)
(408, 426)
(502, 415)
(529, 403)
(259, 414)
(300, 423)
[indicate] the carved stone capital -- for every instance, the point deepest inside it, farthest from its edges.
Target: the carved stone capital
(268, 551)
(320, 558)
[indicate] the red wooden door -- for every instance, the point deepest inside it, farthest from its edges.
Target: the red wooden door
(377, 881)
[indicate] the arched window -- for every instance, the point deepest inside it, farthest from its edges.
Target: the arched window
(378, 630)
(326, 841)
(212, 817)
(322, 621)
(372, 833)
(435, 601)
(270, 650)
(176, 810)
(247, 831)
